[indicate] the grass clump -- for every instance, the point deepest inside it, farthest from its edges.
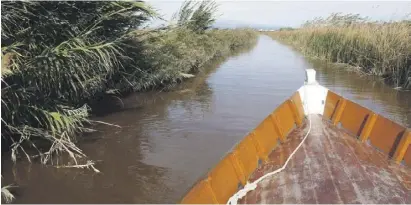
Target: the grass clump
(176, 52)
(6, 195)
(55, 57)
(377, 48)
(58, 58)
(196, 16)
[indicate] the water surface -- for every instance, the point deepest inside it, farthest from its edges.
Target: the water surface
(169, 139)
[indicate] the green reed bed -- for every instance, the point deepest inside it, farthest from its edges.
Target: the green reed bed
(59, 57)
(377, 48)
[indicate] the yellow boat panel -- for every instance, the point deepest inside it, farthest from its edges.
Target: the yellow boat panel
(403, 153)
(201, 193)
(284, 117)
(247, 157)
(266, 137)
(385, 133)
(224, 179)
(331, 104)
(407, 156)
(354, 117)
(296, 99)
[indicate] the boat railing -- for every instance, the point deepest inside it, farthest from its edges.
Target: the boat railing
(235, 168)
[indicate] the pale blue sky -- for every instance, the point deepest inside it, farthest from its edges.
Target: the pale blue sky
(293, 13)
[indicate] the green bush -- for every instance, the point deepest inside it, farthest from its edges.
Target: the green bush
(58, 57)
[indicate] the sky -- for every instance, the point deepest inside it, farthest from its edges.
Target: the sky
(292, 13)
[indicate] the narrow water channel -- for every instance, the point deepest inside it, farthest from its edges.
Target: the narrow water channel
(169, 139)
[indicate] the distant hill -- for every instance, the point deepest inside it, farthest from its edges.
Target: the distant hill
(237, 24)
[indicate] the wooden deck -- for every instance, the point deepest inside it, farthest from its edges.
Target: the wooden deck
(331, 167)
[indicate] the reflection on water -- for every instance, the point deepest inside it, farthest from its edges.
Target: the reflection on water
(168, 140)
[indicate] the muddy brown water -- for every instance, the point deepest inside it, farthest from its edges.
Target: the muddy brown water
(169, 139)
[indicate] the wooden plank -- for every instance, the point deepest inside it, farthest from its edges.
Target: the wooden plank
(331, 167)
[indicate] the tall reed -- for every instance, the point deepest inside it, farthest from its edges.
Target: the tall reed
(378, 48)
(59, 57)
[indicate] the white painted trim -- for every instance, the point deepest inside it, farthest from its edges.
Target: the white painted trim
(313, 98)
(312, 94)
(310, 77)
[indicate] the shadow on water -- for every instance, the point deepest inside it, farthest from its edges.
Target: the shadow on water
(111, 103)
(169, 139)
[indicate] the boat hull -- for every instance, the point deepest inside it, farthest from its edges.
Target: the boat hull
(333, 113)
